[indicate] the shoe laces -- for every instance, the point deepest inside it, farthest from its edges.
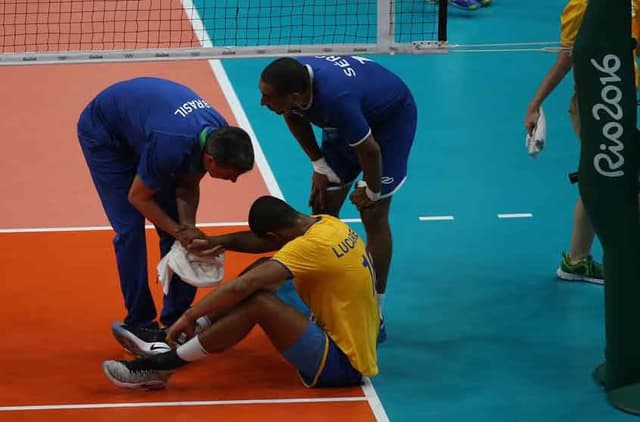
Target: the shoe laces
(593, 267)
(149, 335)
(139, 366)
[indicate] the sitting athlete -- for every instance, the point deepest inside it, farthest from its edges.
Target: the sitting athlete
(333, 275)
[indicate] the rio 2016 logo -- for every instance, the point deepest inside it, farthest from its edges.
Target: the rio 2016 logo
(610, 160)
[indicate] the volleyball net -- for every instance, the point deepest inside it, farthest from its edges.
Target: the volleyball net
(53, 31)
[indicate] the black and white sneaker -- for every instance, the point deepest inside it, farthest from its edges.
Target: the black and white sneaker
(135, 374)
(140, 341)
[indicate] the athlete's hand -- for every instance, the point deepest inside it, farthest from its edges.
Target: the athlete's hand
(184, 329)
(531, 120)
(360, 199)
(319, 183)
(205, 247)
(186, 234)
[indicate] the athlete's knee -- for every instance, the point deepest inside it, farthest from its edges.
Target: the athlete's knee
(331, 206)
(127, 225)
(262, 302)
(333, 201)
(129, 233)
(325, 210)
(377, 215)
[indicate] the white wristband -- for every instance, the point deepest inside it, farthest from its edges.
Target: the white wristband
(319, 165)
(373, 196)
(322, 167)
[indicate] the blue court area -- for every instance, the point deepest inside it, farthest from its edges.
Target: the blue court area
(479, 328)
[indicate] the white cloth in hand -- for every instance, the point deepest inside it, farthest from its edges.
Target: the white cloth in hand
(535, 141)
(195, 270)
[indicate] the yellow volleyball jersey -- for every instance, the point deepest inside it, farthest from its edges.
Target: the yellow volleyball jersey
(571, 19)
(572, 16)
(334, 276)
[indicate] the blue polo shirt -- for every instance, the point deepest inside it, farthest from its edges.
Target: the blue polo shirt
(160, 124)
(352, 94)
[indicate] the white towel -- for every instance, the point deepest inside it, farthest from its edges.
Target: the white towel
(535, 141)
(195, 270)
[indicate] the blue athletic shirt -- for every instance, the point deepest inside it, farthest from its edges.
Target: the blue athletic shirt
(352, 95)
(161, 124)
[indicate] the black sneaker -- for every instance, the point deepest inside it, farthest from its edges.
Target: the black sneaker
(141, 341)
(135, 374)
(585, 269)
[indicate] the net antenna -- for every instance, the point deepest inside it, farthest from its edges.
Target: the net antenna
(96, 31)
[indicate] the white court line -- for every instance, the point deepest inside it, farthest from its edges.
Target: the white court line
(374, 401)
(178, 403)
(243, 121)
(224, 224)
(148, 227)
(516, 215)
(435, 218)
(107, 228)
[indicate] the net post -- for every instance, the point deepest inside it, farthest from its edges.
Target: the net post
(385, 33)
(608, 181)
(442, 20)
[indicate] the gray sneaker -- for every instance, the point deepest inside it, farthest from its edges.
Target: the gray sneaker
(140, 341)
(135, 374)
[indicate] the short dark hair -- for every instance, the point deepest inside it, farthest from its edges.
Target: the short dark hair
(286, 76)
(231, 147)
(269, 214)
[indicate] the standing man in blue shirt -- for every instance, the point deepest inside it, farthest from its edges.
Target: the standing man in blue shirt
(368, 119)
(147, 143)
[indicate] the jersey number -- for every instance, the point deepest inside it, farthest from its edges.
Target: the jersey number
(367, 263)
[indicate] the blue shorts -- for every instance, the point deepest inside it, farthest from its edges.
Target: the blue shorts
(289, 295)
(320, 362)
(395, 138)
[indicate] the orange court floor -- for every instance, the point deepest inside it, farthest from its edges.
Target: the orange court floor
(60, 295)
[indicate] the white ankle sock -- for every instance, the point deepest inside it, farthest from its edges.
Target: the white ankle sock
(380, 298)
(191, 350)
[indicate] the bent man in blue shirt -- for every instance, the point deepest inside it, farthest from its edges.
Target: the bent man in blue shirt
(147, 143)
(368, 119)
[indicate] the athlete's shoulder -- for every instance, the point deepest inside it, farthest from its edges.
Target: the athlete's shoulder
(570, 21)
(328, 231)
(148, 81)
(330, 67)
(148, 88)
(329, 223)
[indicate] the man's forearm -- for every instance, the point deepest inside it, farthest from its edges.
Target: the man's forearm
(555, 75)
(246, 242)
(217, 301)
(267, 276)
(303, 132)
(152, 212)
(187, 201)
